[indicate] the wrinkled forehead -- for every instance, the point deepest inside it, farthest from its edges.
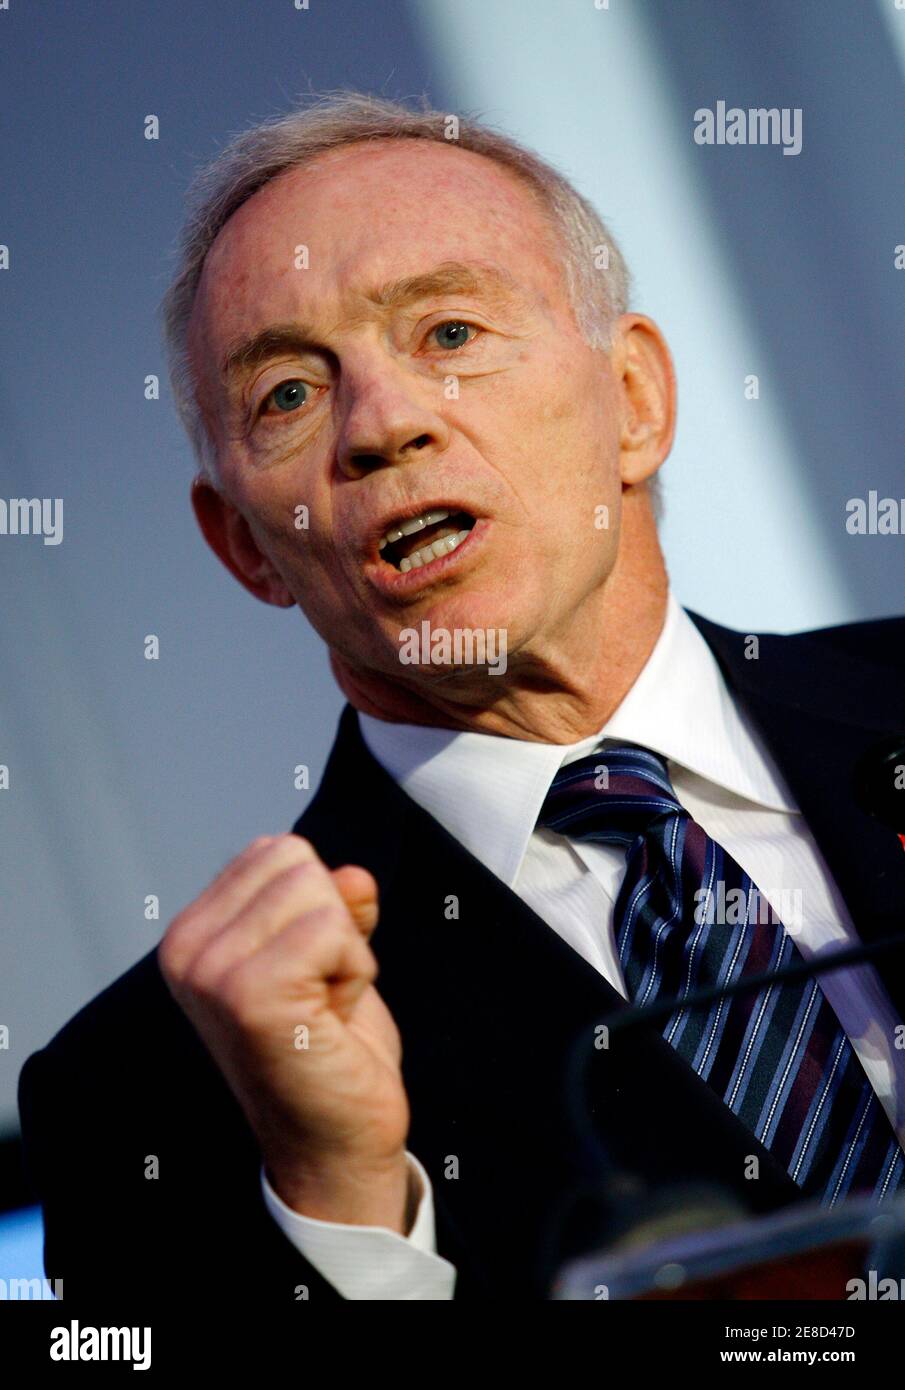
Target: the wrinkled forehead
(318, 240)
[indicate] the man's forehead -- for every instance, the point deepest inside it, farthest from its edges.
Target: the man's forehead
(393, 170)
(396, 192)
(250, 279)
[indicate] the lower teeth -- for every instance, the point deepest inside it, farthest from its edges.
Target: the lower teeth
(432, 552)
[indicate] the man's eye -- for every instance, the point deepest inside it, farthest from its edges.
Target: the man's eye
(452, 334)
(289, 395)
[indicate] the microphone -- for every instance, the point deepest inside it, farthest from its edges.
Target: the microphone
(635, 1016)
(879, 786)
(635, 1217)
(624, 1213)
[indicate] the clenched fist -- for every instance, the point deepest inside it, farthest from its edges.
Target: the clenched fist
(272, 966)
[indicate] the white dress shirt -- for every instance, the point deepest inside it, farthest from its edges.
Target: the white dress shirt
(681, 707)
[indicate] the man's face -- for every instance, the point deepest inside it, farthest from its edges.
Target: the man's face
(438, 367)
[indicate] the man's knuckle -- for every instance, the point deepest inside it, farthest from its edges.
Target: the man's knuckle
(179, 924)
(203, 977)
(237, 996)
(261, 848)
(301, 878)
(258, 843)
(301, 871)
(303, 850)
(312, 927)
(369, 967)
(326, 919)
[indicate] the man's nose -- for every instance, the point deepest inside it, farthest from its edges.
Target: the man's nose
(387, 424)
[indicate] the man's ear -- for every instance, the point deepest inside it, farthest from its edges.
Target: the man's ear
(229, 537)
(647, 381)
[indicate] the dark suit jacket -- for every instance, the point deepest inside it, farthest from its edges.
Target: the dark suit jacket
(489, 1007)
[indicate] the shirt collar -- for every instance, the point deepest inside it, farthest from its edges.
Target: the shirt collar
(487, 791)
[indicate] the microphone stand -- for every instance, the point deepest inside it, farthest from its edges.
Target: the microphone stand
(698, 1240)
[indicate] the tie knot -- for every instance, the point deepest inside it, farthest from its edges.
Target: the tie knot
(615, 793)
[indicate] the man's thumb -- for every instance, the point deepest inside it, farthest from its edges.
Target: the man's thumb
(358, 889)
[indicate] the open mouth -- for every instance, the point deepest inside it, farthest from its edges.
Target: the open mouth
(418, 540)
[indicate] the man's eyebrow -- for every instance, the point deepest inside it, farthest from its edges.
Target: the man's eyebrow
(452, 277)
(270, 342)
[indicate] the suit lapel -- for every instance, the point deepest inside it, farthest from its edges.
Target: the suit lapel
(819, 712)
(515, 1111)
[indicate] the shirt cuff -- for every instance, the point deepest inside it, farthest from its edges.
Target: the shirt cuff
(371, 1262)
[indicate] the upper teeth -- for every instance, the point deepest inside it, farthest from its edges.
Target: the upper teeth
(414, 523)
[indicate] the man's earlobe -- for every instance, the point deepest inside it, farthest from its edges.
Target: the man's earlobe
(229, 537)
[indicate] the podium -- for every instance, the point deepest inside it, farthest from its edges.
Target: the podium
(806, 1252)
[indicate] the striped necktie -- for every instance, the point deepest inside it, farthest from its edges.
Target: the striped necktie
(778, 1058)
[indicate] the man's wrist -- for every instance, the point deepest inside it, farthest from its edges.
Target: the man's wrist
(385, 1196)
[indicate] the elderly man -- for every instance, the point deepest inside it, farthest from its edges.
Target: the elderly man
(371, 1059)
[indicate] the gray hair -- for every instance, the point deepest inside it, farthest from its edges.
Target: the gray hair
(344, 117)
